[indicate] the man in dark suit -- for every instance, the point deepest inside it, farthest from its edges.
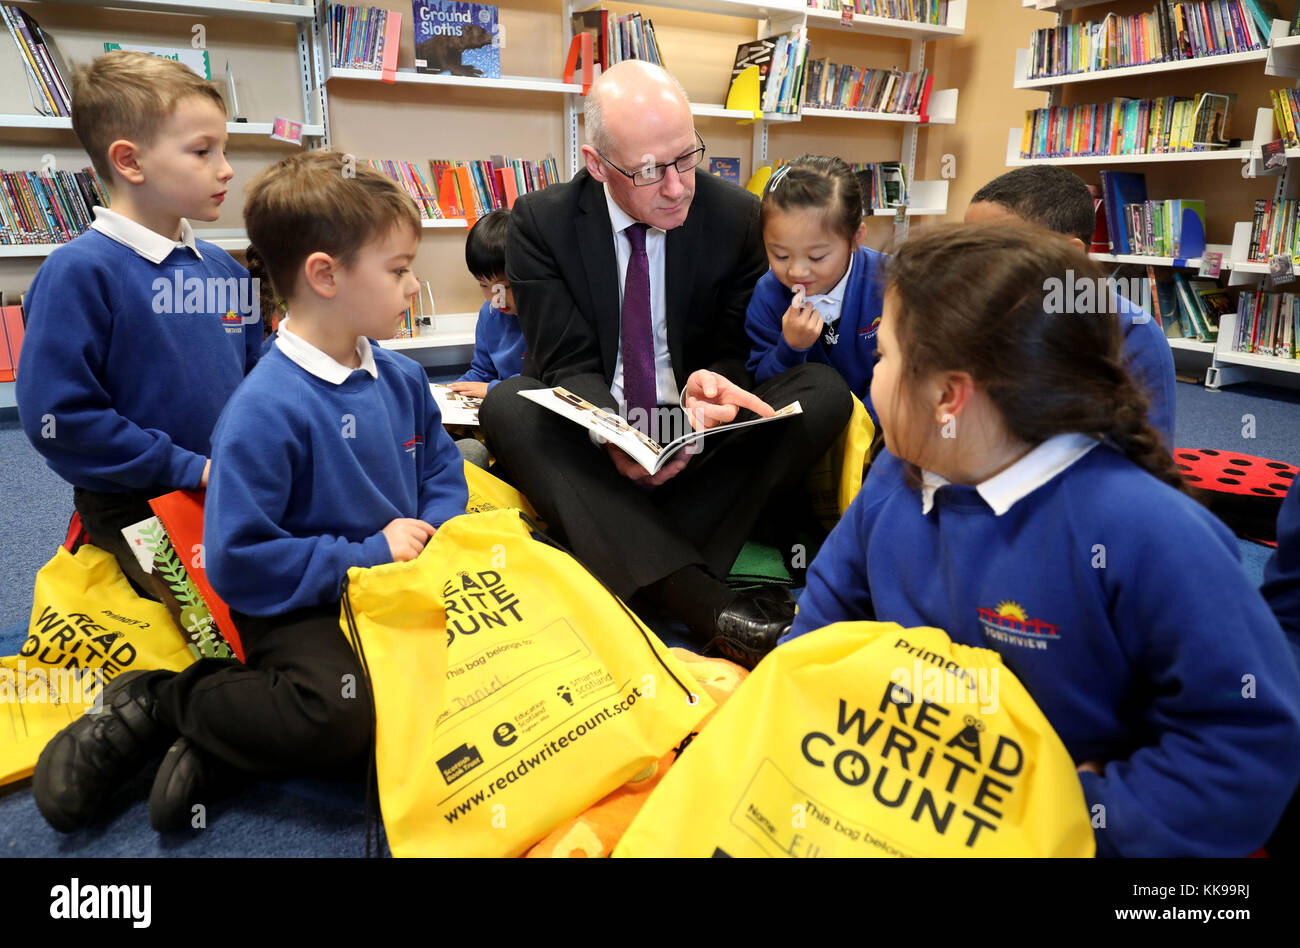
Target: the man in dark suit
(630, 280)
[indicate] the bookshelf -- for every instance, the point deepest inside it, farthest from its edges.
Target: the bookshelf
(537, 89)
(271, 49)
(1212, 169)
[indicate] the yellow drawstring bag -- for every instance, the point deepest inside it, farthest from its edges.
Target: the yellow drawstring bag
(836, 478)
(87, 626)
(488, 492)
(868, 739)
(511, 690)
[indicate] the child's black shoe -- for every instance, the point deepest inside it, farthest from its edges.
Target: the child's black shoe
(84, 763)
(186, 777)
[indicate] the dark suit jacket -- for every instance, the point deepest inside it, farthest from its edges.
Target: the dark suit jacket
(562, 270)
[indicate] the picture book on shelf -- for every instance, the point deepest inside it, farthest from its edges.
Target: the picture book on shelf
(459, 39)
(728, 168)
(33, 63)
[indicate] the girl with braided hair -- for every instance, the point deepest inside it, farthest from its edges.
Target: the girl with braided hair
(1024, 503)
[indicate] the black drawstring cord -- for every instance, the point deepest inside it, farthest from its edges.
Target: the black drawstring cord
(354, 637)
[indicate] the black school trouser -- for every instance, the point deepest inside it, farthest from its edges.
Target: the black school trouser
(631, 538)
(299, 703)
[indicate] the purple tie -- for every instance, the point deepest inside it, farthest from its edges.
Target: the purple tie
(638, 332)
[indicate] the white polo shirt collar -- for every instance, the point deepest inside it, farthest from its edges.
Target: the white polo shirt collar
(325, 367)
(1002, 491)
(149, 244)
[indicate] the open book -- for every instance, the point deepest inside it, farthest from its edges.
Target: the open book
(455, 408)
(638, 446)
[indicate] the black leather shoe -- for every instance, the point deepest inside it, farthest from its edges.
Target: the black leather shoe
(188, 776)
(749, 628)
(84, 763)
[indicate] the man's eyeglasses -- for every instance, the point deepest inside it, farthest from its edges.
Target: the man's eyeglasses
(655, 173)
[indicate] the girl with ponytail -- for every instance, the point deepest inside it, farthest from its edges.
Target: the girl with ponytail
(1025, 504)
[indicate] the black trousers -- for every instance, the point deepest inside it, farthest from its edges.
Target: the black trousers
(630, 537)
(105, 515)
(300, 702)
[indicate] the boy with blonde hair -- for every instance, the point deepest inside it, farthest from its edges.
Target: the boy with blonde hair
(138, 332)
(331, 455)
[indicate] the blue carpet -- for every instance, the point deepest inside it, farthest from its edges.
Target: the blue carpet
(327, 818)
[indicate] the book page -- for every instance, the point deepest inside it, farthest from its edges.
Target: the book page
(455, 408)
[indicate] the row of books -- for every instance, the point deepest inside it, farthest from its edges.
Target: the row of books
(408, 175)
(471, 189)
(48, 208)
(917, 11)
(418, 320)
(357, 35)
(1173, 31)
(1274, 230)
(616, 37)
(1122, 126)
(1188, 308)
(1286, 114)
(13, 325)
(884, 185)
(1155, 228)
(1268, 323)
(782, 87)
(832, 86)
(38, 61)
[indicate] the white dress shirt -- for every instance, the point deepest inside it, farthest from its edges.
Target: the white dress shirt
(301, 352)
(1001, 491)
(149, 244)
(665, 381)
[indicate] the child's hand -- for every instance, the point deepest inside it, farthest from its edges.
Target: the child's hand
(801, 325)
(407, 537)
(477, 389)
(207, 469)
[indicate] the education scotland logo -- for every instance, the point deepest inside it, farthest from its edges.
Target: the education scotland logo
(1011, 624)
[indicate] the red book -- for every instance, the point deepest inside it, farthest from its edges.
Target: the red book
(12, 341)
(924, 109)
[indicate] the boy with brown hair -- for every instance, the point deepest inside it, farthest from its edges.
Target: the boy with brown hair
(331, 455)
(138, 332)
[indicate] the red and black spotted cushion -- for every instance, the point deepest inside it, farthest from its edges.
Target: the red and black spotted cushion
(1245, 492)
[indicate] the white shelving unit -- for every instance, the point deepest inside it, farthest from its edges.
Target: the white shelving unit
(451, 342)
(512, 83)
(315, 127)
(1022, 80)
(232, 128)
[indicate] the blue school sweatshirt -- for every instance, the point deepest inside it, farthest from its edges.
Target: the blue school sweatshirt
(306, 474)
(1150, 362)
(498, 347)
(125, 368)
(853, 356)
(1281, 586)
(1122, 607)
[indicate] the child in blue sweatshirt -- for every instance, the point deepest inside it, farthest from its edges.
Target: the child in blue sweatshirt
(137, 332)
(1025, 504)
(498, 340)
(1057, 199)
(821, 299)
(330, 455)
